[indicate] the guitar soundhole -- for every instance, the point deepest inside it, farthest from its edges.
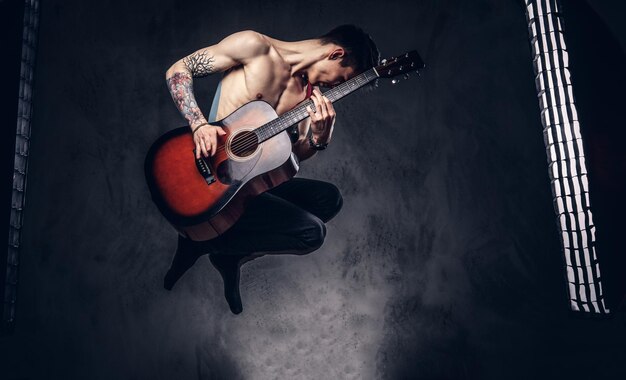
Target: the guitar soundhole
(244, 144)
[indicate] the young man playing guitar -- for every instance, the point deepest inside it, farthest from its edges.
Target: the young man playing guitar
(290, 217)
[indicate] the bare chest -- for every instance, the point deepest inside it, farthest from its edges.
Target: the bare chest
(267, 79)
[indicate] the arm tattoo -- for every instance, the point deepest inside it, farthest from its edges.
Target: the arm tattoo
(181, 87)
(199, 64)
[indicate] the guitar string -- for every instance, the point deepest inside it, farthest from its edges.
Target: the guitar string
(252, 139)
(245, 143)
(242, 144)
(249, 141)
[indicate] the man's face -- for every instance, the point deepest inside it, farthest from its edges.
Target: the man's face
(329, 73)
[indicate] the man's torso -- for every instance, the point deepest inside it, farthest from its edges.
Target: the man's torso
(268, 78)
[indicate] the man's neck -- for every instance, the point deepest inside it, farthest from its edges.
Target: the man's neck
(300, 55)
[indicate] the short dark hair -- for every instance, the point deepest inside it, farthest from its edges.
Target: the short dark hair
(361, 51)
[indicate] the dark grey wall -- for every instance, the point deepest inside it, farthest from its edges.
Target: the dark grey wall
(444, 262)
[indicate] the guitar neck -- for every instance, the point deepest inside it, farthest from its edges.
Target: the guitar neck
(299, 113)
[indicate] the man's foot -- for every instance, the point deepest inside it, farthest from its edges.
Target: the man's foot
(187, 253)
(228, 266)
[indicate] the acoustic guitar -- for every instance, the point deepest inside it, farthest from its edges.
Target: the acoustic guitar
(202, 198)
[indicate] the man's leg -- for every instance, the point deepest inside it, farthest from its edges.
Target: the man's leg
(270, 224)
(320, 198)
(273, 225)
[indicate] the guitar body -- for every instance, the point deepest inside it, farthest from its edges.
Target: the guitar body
(202, 204)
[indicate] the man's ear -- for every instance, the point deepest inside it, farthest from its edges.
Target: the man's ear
(337, 53)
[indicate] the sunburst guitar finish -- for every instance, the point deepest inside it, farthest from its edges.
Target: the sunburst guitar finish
(202, 204)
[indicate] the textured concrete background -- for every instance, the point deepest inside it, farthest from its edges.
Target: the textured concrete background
(444, 262)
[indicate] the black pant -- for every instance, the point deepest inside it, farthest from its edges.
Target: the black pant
(286, 219)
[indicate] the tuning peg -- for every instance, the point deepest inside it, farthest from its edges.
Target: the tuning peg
(384, 61)
(395, 80)
(406, 76)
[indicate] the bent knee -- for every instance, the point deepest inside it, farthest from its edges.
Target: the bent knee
(335, 195)
(334, 202)
(313, 235)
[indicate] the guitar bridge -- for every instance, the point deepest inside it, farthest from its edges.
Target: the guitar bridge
(204, 169)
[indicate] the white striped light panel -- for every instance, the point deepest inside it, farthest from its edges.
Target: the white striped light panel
(20, 165)
(566, 156)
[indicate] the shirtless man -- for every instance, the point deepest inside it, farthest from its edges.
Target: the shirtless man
(289, 218)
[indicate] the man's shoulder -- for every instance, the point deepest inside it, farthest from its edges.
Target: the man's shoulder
(250, 41)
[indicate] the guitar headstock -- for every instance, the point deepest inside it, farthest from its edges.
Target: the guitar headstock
(402, 64)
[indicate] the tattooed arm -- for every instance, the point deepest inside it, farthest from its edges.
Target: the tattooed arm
(236, 49)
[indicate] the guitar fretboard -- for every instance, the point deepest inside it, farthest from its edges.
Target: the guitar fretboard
(299, 113)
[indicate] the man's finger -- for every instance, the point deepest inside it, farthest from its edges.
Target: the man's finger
(323, 108)
(315, 103)
(330, 109)
(331, 113)
(317, 114)
(323, 111)
(329, 105)
(320, 98)
(311, 113)
(204, 148)
(213, 143)
(208, 141)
